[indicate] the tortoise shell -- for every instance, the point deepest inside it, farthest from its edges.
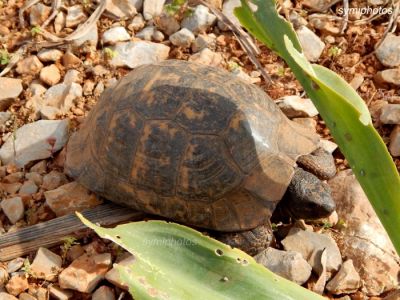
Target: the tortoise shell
(191, 143)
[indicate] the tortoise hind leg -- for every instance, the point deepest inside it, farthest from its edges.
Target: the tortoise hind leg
(250, 241)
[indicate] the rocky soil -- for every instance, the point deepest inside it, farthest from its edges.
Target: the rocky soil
(56, 60)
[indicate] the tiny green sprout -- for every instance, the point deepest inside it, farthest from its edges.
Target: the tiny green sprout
(27, 268)
(334, 51)
(69, 241)
(232, 65)
(109, 53)
(174, 7)
(35, 30)
(341, 224)
(326, 225)
(274, 227)
(281, 71)
(86, 3)
(4, 57)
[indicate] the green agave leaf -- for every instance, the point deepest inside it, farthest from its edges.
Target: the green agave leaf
(177, 262)
(342, 109)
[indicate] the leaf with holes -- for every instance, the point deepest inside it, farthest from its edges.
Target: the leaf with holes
(176, 262)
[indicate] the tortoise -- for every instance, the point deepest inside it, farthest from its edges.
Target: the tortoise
(197, 145)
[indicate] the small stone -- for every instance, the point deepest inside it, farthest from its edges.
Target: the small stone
(84, 273)
(3, 277)
(74, 252)
(207, 57)
(158, 36)
(29, 66)
(346, 281)
(10, 89)
(391, 76)
(357, 81)
(13, 177)
(146, 33)
(72, 76)
(50, 75)
(121, 9)
(113, 275)
(39, 13)
(115, 34)
(34, 177)
(54, 180)
(137, 23)
(69, 60)
(40, 167)
(307, 243)
(37, 89)
(200, 20)
(59, 293)
(168, 24)
(394, 146)
(17, 284)
(50, 55)
(390, 114)
(99, 70)
(103, 293)
(393, 296)
(59, 22)
(311, 43)
(295, 106)
(152, 8)
(69, 198)
(182, 38)
(88, 87)
(46, 264)
(4, 117)
(28, 188)
(11, 188)
(204, 41)
(26, 296)
(288, 264)
(15, 264)
(98, 90)
(40, 293)
(327, 145)
(134, 54)
(310, 123)
(5, 296)
(388, 51)
(75, 16)
(35, 141)
(49, 112)
(13, 208)
(90, 40)
(62, 96)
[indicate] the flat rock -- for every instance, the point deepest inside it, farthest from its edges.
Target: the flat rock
(327, 145)
(168, 24)
(207, 57)
(35, 177)
(103, 293)
(394, 146)
(69, 198)
(113, 275)
(70, 60)
(391, 76)
(13, 208)
(393, 295)
(200, 20)
(15, 264)
(90, 39)
(50, 75)
(146, 33)
(346, 281)
(34, 141)
(38, 14)
(152, 8)
(62, 96)
(295, 106)
(72, 76)
(29, 66)
(182, 38)
(46, 264)
(388, 51)
(364, 239)
(10, 89)
(6, 296)
(204, 41)
(84, 273)
(75, 16)
(4, 117)
(288, 264)
(53, 180)
(309, 243)
(134, 54)
(50, 55)
(59, 293)
(311, 43)
(390, 114)
(26, 296)
(28, 188)
(137, 23)
(115, 34)
(121, 9)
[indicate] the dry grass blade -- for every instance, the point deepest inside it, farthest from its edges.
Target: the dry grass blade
(55, 7)
(244, 39)
(15, 58)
